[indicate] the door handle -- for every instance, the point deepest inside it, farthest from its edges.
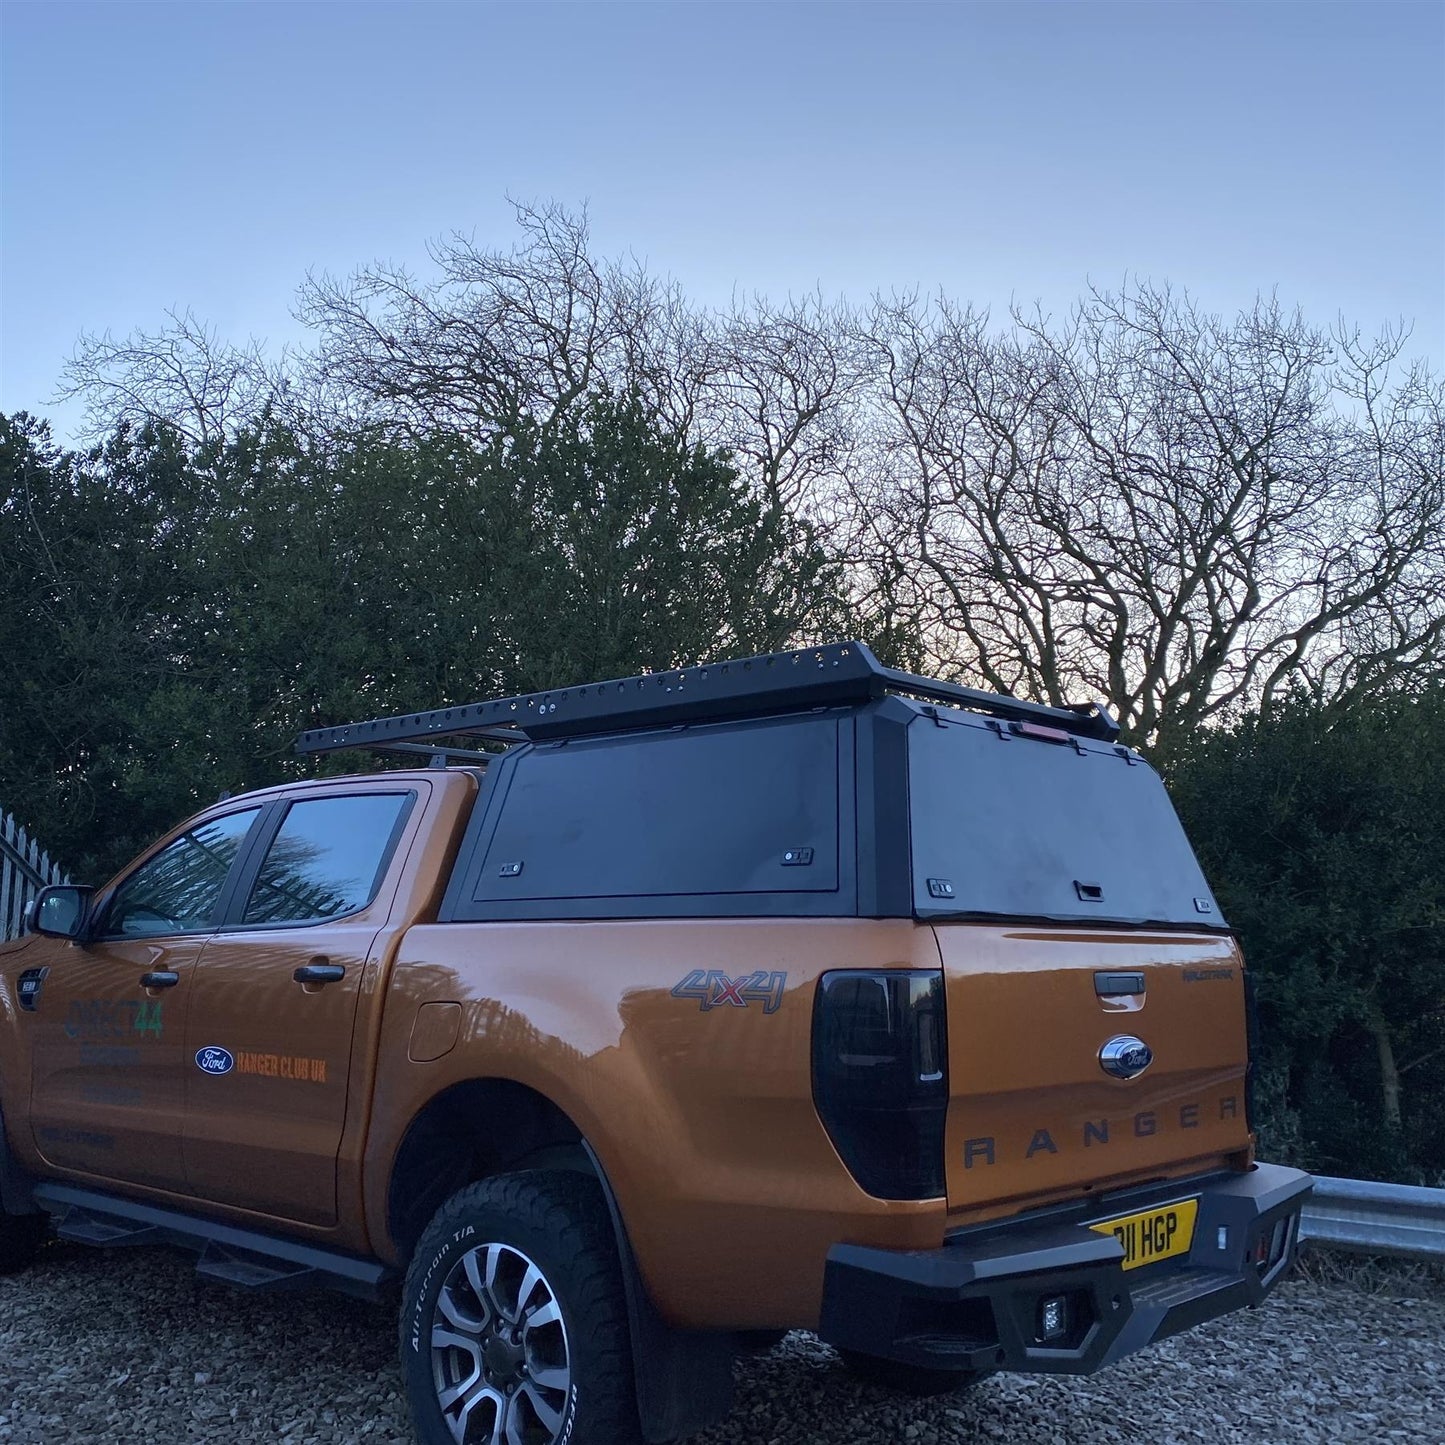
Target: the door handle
(164, 978)
(320, 973)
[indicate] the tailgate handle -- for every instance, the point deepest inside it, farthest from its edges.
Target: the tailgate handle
(1117, 985)
(1089, 892)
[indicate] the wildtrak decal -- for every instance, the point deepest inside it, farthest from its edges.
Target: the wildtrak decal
(714, 989)
(87, 1138)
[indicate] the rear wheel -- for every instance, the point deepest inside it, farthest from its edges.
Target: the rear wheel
(914, 1380)
(21, 1236)
(514, 1325)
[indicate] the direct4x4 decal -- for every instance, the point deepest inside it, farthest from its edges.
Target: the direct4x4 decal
(106, 1018)
(712, 989)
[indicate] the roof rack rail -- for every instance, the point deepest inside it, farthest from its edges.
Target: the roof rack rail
(836, 674)
(440, 756)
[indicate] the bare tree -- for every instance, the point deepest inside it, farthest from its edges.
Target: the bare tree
(1147, 503)
(532, 330)
(782, 396)
(493, 336)
(1141, 501)
(183, 373)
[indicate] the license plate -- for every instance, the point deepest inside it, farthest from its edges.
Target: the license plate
(1153, 1234)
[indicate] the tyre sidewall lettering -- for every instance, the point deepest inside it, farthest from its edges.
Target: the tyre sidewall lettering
(426, 1301)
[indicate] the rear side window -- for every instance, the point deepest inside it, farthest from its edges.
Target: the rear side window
(327, 858)
(179, 889)
(735, 811)
(1022, 828)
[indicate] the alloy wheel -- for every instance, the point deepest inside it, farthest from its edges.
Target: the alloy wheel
(500, 1358)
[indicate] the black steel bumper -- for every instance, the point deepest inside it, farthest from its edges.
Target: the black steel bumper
(976, 1303)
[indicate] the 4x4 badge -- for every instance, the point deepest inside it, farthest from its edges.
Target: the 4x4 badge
(713, 989)
(1125, 1057)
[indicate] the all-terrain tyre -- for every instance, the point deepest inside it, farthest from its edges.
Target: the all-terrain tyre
(514, 1322)
(21, 1236)
(915, 1380)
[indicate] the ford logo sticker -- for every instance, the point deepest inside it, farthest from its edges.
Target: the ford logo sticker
(213, 1060)
(1125, 1057)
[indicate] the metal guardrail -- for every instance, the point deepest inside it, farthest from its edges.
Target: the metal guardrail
(1371, 1218)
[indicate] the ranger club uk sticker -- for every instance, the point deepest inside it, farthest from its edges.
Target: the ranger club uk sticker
(714, 989)
(293, 1068)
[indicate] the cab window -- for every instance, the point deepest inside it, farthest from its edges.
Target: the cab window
(179, 890)
(327, 858)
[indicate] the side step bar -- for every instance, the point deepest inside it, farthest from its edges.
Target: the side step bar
(238, 1256)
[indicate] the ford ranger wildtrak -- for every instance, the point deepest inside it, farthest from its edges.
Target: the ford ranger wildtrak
(640, 1019)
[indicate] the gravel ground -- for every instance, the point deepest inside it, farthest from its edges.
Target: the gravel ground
(125, 1346)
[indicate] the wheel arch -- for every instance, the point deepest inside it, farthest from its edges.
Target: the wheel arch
(479, 1127)
(468, 1131)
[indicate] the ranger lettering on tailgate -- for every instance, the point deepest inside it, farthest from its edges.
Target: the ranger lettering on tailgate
(1096, 1132)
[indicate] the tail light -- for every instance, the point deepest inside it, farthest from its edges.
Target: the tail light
(880, 1077)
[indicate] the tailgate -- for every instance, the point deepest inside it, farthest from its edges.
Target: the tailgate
(1033, 1112)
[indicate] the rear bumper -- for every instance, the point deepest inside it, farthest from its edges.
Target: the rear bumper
(976, 1303)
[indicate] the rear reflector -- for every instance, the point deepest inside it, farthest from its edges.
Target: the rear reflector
(880, 1077)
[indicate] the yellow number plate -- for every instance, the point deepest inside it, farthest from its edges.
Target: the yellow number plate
(1158, 1233)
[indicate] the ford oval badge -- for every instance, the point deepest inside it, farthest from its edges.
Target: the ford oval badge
(214, 1060)
(1125, 1057)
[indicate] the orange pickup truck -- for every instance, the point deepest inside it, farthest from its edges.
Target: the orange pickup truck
(653, 1016)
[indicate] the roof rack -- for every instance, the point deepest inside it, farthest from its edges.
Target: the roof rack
(836, 674)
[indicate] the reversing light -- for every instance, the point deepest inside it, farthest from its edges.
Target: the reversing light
(1053, 1317)
(880, 1077)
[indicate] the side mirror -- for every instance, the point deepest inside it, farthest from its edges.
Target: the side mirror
(59, 911)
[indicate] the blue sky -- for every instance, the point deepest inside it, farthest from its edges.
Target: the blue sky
(206, 155)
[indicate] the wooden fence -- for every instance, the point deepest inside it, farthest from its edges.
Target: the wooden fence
(24, 870)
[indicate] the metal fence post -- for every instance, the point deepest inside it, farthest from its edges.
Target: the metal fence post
(24, 870)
